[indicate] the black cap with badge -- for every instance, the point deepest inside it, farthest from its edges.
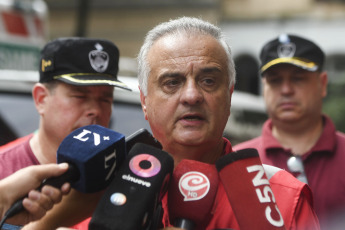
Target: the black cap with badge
(293, 50)
(81, 61)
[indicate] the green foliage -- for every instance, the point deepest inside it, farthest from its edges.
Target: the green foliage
(334, 105)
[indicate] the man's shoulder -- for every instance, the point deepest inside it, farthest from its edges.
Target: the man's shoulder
(13, 145)
(252, 143)
(16, 155)
(340, 135)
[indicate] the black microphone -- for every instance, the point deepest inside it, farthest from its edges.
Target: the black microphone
(93, 153)
(191, 194)
(130, 202)
(141, 136)
(248, 190)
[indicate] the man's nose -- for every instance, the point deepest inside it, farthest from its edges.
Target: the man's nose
(191, 93)
(287, 87)
(93, 108)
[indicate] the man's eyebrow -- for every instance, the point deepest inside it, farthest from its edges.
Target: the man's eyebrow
(79, 89)
(210, 70)
(180, 74)
(171, 75)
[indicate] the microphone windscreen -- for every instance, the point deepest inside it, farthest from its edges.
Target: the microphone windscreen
(139, 185)
(141, 136)
(249, 191)
(191, 193)
(96, 152)
(93, 154)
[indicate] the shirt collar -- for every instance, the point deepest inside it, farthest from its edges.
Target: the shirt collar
(325, 143)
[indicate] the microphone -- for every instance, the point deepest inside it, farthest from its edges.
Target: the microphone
(141, 136)
(191, 194)
(249, 191)
(93, 153)
(133, 197)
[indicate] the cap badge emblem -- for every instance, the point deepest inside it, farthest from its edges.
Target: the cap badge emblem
(286, 50)
(99, 59)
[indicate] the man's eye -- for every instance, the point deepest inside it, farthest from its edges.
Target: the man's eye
(107, 100)
(298, 78)
(79, 96)
(171, 82)
(208, 81)
(273, 80)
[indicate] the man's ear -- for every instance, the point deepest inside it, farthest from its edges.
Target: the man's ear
(324, 83)
(232, 89)
(39, 95)
(143, 103)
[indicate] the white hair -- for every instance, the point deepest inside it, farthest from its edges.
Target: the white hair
(181, 25)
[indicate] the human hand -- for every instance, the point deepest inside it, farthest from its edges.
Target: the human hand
(24, 182)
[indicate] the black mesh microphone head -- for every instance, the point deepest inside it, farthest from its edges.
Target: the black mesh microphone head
(130, 200)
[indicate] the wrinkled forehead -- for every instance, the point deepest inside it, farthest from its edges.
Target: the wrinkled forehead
(183, 45)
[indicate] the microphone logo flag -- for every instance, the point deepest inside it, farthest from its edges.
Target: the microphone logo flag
(96, 137)
(194, 186)
(145, 165)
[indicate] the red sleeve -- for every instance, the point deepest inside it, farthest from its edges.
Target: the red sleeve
(295, 202)
(84, 225)
(305, 217)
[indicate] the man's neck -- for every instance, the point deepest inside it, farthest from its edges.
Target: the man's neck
(44, 152)
(299, 138)
(207, 154)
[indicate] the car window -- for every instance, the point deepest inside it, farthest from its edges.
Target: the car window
(19, 117)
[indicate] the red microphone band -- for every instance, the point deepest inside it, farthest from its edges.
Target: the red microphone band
(249, 191)
(191, 194)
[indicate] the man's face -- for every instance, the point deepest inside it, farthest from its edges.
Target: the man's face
(69, 107)
(188, 99)
(292, 94)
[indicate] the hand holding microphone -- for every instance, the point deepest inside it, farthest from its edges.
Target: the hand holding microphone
(25, 181)
(93, 154)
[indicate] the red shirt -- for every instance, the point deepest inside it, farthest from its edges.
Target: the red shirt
(324, 166)
(16, 155)
(294, 200)
(292, 197)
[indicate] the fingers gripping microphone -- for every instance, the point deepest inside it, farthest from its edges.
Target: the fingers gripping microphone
(93, 154)
(130, 200)
(191, 194)
(249, 191)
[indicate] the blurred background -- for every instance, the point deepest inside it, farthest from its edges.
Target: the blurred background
(26, 25)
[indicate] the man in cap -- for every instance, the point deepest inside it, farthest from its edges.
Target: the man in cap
(75, 89)
(297, 136)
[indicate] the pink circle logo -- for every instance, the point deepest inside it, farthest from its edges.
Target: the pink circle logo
(194, 185)
(145, 165)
